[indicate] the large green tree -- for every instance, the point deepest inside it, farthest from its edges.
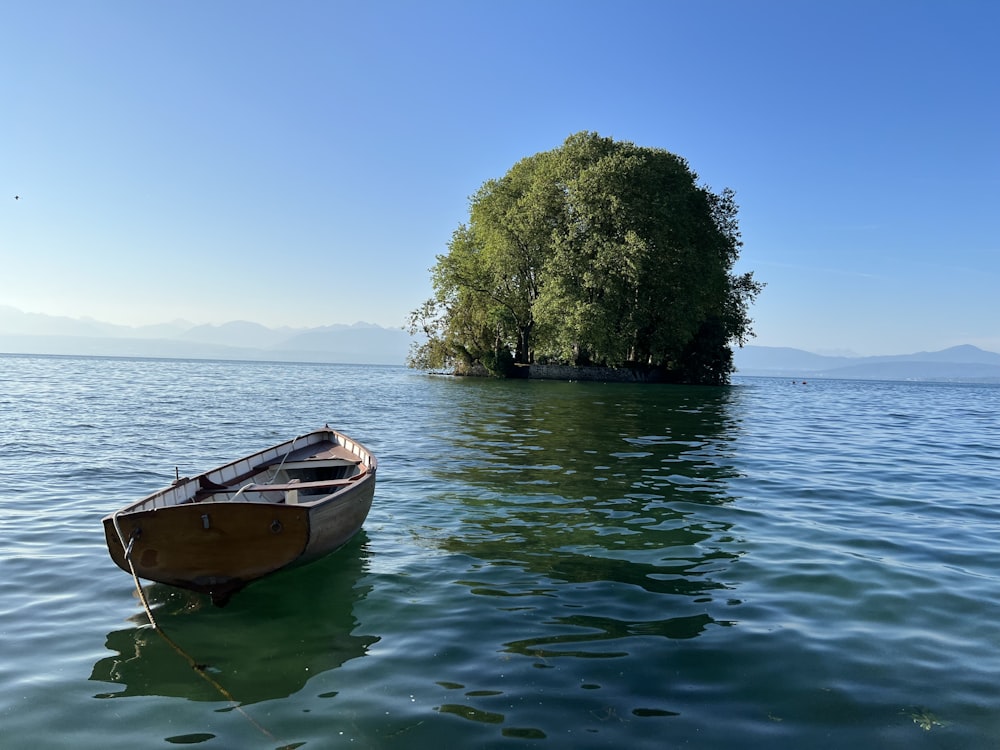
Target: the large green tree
(598, 252)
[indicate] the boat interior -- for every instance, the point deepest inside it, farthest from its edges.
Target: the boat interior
(303, 475)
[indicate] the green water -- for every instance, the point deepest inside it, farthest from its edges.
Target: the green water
(545, 565)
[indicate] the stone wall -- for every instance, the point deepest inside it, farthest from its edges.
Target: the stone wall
(590, 374)
(569, 373)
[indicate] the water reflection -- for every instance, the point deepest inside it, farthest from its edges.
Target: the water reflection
(593, 442)
(595, 496)
(590, 630)
(268, 643)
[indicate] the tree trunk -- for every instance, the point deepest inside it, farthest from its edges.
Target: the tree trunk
(523, 354)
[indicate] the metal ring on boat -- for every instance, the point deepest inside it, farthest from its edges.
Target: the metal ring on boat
(276, 526)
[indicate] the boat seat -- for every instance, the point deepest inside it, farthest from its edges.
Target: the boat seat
(297, 485)
(316, 463)
(291, 488)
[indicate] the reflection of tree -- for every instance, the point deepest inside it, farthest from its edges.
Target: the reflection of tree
(271, 639)
(607, 488)
(571, 438)
(597, 629)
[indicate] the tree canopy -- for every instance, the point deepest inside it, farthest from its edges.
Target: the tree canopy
(597, 252)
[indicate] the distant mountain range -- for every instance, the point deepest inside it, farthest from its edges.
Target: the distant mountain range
(360, 343)
(366, 343)
(958, 364)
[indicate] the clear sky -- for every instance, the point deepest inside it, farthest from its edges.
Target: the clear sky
(302, 163)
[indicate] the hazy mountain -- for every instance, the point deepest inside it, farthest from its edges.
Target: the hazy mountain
(959, 363)
(365, 343)
(14, 321)
(361, 343)
(757, 359)
(237, 333)
(957, 354)
(171, 330)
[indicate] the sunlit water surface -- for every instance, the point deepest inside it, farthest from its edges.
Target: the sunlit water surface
(770, 565)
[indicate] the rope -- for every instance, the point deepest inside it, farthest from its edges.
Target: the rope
(284, 458)
(198, 668)
(273, 476)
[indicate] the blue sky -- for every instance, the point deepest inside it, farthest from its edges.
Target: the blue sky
(303, 163)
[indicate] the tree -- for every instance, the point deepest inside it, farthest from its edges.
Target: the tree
(596, 252)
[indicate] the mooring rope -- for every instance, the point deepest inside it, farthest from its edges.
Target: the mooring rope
(198, 668)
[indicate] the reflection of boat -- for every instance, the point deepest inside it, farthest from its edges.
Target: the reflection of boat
(218, 531)
(268, 644)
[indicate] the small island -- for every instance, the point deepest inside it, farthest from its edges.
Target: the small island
(599, 259)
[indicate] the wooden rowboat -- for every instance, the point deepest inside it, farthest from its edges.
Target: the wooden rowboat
(218, 531)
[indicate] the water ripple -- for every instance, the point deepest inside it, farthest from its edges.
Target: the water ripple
(589, 565)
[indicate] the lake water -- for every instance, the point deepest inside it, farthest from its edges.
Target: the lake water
(563, 565)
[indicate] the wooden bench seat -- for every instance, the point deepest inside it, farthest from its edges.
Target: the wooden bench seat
(315, 463)
(301, 485)
(293, 488)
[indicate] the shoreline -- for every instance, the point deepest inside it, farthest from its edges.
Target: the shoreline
(568, 373)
